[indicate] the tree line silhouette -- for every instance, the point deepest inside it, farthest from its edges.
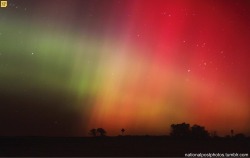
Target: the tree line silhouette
(182, 130)
(185, 131)
(99, 131)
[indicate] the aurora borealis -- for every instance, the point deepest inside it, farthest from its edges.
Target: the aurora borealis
(69, 66)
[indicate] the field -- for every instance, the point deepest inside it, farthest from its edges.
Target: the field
(117, 146)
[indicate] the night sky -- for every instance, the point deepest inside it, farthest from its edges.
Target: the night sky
(72, 65)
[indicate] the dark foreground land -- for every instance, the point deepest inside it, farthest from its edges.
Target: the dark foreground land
(117, 146)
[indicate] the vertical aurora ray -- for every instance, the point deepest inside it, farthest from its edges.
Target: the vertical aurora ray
(138, 65)
(176, 74)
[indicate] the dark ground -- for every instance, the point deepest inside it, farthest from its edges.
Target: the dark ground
(117, 146)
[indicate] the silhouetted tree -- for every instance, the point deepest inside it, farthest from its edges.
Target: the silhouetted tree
(185, 131)
(101, 131)
(214, 134)
(180, 130)
(92, 132)
(199, 132)
(122, 130)
(239, 136)
(232, 132)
